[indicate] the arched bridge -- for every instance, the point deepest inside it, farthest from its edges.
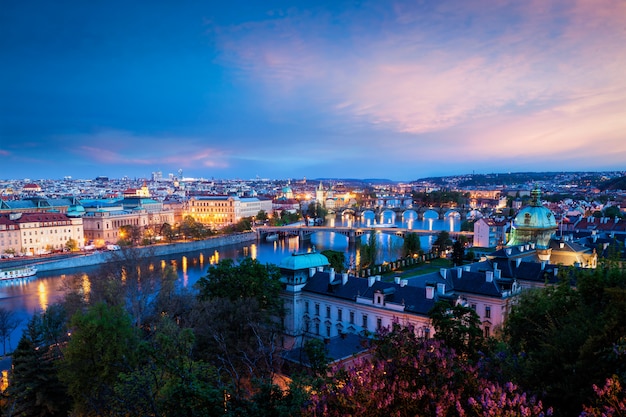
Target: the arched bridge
(353, 233)
(419, 211)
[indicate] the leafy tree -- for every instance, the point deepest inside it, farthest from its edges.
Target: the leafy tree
(458, 253)
(337, 259)
(35, 389)
(442, 242)
(412, 245)
(102, 345)
(130, 235)
(317, 356)
(458, 327)
(71, 245)
(247, 279)
(262, 216)
(8, 323)
(167, 380)
(369, 251)
(168, 232)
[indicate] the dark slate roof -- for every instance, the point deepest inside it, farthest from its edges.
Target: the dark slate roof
(413, 298)
(473, 282)
(337, 348)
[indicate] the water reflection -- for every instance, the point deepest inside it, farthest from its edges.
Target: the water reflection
(24, 297)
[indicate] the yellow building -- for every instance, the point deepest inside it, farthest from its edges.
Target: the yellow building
(38, 233)
(220, 211)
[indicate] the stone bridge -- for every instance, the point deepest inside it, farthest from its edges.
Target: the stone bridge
(442, 212)
(352, 233)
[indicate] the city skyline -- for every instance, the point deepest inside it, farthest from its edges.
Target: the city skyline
(279, 89)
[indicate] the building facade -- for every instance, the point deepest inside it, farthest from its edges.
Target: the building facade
(221, 211)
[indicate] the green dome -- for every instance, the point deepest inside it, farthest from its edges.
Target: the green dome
(533, 224)
(535, 216)
(299, 261)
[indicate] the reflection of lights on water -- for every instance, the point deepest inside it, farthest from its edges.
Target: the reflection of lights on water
(163, 264)
(246, 250)
(201, 257)
(151, 268)
(430, 224)
(124, 274)
(451, 223)
(86, 284)
(215, 258)
(42, 291)
(253, 251)
(184, 265)
(332, 222)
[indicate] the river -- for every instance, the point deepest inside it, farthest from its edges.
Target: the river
(25, 297)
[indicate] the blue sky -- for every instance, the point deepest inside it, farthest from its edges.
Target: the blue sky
(277, 89)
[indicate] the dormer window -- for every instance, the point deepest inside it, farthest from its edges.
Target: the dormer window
(379, 298)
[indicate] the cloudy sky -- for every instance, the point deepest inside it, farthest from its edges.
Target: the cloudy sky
(278, 89)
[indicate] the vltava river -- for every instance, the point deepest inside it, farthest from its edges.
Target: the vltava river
(33, 295)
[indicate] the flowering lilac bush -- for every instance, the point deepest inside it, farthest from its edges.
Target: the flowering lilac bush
(408, 376)
(610, 401)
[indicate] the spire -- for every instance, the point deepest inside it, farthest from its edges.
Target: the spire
(536, 197)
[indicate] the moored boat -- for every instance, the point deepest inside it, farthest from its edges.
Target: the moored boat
(18, 272)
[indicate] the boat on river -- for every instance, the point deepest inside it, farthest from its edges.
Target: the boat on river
(17, 272)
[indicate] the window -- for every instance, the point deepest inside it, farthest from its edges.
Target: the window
(327, 312)
(365, 321)
(317, 328)
(473, 307)
(317, 309)
(488, 312)
(379, 323)
(339, 314)
(306, 307)
(487, 331)
(327, 331)
(352, 317)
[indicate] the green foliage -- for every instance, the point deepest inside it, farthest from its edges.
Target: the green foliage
(458, 327)
(411, 245)
(247, 279)
(35, 388)
(318, 357)
(442, 242)
(71, 245)
(369, 251)
(458, 253)
(337, 259)
(102, 345)
(565, 338)
(262, 216)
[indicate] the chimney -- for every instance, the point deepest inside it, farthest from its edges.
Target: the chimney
(443, 272)
(518, 261)
(371, 280)
(466, 268)
(556, 271)
(441, 288)
(430, 292)
(344, 278)
(331, 275)
(403, 282)
(561, 245)
(320, 268)
(396, 280)
(377, 277)
(497, 274)
(459, 272)
(489, 276)
(311, 272)
(543, 265)
(508, 251)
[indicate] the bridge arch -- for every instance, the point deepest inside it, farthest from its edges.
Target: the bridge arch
(387, 216)
(368, 217)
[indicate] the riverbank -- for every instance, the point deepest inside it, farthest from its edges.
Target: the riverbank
(74, 260)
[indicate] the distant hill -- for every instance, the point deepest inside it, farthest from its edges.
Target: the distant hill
(613, 184)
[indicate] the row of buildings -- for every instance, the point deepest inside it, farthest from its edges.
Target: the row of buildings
(37, 225)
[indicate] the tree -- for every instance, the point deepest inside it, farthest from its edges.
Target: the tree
(168, 232)
(458, 253)
(130, 235)
(262, 216)
(246, 280)
(8, 323)
(35, 388)
(103, 344)
(458, 327)
(337, 259)
(369, 251)
(442, 242)
(71, 245)
(412, 245)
